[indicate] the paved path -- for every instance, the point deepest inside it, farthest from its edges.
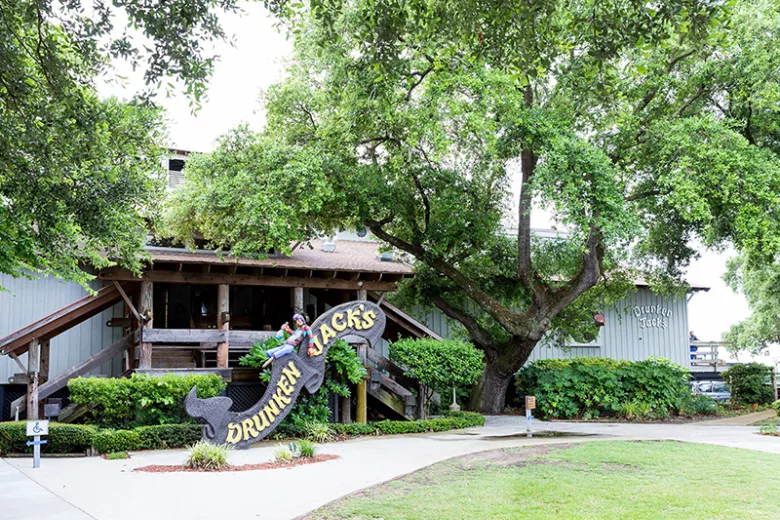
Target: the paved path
(744, 420)
(94, 488)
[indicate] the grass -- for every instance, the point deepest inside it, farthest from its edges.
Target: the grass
(117, 455)
(206, 456)
(771, 421)
(592, 480)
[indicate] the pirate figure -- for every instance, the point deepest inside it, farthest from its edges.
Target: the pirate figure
(301, 332)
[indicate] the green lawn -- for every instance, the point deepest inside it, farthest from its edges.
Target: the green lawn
(592, 480)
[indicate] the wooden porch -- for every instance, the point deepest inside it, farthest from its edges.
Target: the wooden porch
(190, 312)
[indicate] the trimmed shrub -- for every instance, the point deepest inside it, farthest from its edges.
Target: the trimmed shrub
(748, 383)
(590, 387)
(776, 406)
(62, 438)
(451, 421)
(164, 436)
(206, 456)
(353, 429)
(108, 441)
(141, 399)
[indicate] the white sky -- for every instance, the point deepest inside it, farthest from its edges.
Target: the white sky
(257, 60)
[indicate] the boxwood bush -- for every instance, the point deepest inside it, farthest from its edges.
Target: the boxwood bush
(140, 400)
(62, 438)
(590, 387)
(451, 421)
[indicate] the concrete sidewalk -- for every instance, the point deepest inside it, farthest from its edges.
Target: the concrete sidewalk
(76, 489)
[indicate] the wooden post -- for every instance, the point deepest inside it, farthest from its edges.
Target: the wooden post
(223, 322)
(346, 410)
(44, 370)
(298, 300)
(147, 312)
(361, 414)
(33, 359)
(362, 294)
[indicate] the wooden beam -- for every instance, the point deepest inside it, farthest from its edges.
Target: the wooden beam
(128, 301)
(18, 362)
(147, 312)
(238, 338)
(223, 323)
(61, 320)
(241, 279)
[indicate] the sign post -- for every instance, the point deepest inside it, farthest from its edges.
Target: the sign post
(35, 429)
(530, 404)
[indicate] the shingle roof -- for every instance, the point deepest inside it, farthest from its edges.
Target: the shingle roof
(348, 256)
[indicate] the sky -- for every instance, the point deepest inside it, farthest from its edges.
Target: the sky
(257, 60)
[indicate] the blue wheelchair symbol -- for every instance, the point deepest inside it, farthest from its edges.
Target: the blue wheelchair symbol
(37, 428)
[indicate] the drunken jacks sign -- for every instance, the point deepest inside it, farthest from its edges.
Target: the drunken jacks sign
(289, 375)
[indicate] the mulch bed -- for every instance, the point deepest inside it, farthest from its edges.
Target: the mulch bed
(157, 468)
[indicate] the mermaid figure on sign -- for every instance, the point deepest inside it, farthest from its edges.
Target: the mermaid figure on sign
(301, 332)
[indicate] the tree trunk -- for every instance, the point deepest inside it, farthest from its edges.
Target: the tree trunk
(489, 394)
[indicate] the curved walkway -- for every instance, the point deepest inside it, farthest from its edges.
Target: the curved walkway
(94, 488)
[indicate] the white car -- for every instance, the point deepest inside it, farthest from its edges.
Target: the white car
(716, 390)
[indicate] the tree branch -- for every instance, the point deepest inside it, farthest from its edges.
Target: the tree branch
(481, 336)
(690, 102)
(512, 322)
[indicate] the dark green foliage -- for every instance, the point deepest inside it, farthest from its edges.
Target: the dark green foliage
(108, 441)
(164, 436)
(452, 421)
(342, 368)
(63, 438)
(694, 405)
(353, 429)
(750, 383)
(589, 387)
(141, 399)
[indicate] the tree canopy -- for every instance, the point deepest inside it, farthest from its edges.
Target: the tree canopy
(80, 175)
(644, 129)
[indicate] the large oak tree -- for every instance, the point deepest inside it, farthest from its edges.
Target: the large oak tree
(646, 130)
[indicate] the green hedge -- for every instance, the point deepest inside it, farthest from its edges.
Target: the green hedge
(62, 438)
(140, 400)
(77, 438)
(163, 436)
(590, 387)
(452, 421)
(776, 406)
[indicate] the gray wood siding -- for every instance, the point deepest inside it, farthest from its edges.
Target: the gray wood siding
(25, 301)
(622, 336)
